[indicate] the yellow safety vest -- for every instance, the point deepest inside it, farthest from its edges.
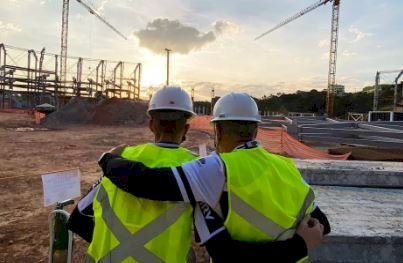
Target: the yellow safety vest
(131, 229)
(267, 196)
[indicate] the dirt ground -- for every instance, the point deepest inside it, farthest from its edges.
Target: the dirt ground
(26, 153)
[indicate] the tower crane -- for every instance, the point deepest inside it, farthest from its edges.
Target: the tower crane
(65, 25)
(333, 45)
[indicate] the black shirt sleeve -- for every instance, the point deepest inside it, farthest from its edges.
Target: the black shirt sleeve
(134, 177)
(82, 224)
(222, 248)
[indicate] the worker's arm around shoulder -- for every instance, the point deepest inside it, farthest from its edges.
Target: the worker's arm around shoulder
(199, 180)
(210, 232)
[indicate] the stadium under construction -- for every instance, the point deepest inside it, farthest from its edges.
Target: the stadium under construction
(29, 77)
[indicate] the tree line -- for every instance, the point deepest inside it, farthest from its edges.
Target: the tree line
(314, 101)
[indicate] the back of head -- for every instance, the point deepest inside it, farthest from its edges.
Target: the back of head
(170, 109)
(235, 116)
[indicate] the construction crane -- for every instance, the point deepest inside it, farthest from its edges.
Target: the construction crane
(333, 45)
(65, 26)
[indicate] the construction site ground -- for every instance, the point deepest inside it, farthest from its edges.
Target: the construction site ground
(27, 151)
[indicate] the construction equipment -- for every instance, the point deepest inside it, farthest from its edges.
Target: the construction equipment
(65, 23)
(333, 45)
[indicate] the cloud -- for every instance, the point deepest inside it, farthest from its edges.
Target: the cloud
(163, 33)
(9, 27)
(222, 27)
(358, 34)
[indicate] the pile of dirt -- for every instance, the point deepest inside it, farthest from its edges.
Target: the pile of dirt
(370, 154)
(114, 111)
(76, 111)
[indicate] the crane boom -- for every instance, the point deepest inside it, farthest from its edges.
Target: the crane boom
(292, 18)
(65, 24)
(95, 13)
(333, 45)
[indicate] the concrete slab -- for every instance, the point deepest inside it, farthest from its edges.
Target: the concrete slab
(352, 173)
(367, 224)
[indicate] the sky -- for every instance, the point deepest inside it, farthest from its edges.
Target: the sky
(213, 42)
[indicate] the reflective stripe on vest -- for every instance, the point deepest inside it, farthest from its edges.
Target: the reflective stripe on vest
(265, 224)
(132, 245)
(267, 195)
(162, 231)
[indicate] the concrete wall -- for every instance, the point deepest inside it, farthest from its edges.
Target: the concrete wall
(367, 224)
(352, 173)
(350, 249)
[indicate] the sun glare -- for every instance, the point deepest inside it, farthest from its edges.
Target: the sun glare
(153, 71)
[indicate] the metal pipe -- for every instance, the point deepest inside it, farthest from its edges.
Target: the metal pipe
(32, 77)
(168, 51)
(56, 90)
(376, 90)
(79, 74)
(2, 76)
(395, 90)
(102, 77)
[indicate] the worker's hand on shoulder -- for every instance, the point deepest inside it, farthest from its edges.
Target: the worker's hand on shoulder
(207, 222)
(118, 149)
(311, 230)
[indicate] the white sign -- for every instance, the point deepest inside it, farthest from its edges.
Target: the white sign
(60, 186)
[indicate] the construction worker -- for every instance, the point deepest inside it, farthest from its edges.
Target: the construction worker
(128, 228)
(260, 196)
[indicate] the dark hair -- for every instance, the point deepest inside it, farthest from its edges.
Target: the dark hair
(170, 121)
(169, 114)
(245, 130)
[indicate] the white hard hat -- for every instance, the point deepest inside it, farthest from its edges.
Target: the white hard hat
(171, 98)
(236, 106)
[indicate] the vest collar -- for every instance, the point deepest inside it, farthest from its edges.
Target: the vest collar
(167, 144)
(248, 145)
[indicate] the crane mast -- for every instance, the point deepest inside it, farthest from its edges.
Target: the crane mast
(63, 49)
(333, 45)
(332, 58)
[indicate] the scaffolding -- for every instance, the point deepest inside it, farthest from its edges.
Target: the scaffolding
(397, 106)
(29, 77)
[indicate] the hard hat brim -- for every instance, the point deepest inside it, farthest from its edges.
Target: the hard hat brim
(172, 109)
(216, 119)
